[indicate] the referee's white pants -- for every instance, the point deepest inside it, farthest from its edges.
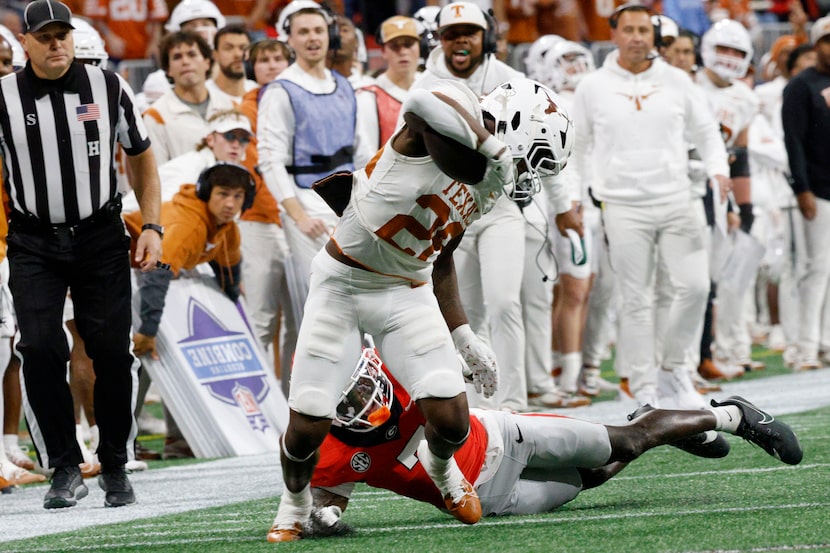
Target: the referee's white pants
(637, 237)
(489, 263)
(537, 304)
(301, 250)
(264, 249)
(813, 285)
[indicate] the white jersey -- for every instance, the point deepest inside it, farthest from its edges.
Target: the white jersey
(771, 96)
(733, 106)
(404, 211)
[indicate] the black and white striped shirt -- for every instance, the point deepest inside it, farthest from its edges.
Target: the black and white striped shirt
(58, 140)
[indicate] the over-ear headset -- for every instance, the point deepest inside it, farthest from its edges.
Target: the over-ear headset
(331, 19)
(491, 33)
(204, 186)
(614, 18)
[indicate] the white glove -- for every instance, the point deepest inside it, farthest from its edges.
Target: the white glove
(479, 358)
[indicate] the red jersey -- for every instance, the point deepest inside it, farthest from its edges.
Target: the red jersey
(386, 456)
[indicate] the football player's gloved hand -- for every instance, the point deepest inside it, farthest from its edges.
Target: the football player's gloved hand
(479, 358)
(325, 522)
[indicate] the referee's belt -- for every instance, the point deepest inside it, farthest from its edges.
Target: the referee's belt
(29, 224)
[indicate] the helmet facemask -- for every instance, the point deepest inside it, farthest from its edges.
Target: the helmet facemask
(366, 402)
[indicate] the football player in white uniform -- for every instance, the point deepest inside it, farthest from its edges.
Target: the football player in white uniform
(726, 49)
(566, 63)
(402, 222)
(489, 293)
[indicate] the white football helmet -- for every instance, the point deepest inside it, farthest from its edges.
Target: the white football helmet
(18, 55)
(726, 32)
(366, 401)
(427, 27)
(567, 62)
(533, 124)
(88, 43)
(535, 57)
(188, 10)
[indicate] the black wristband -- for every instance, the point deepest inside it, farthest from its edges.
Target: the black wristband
(152, 226)
(747, 216)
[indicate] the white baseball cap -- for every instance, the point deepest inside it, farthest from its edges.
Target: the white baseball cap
(820, 29)
(230, 122)
(461, 13)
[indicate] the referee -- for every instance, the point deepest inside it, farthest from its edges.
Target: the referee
(59, 123)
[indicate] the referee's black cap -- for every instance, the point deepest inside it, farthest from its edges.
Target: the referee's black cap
(40, 13)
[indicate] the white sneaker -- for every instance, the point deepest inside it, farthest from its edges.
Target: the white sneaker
(790, 356)
(776, 340)
(17, 476)
(807, 364)
(729, 369)
(150, 425)
(136, 465)
(556, 400)
(675, 386)
(589, 381)
(18, 456)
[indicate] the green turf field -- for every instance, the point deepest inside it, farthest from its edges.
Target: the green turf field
(665, 501)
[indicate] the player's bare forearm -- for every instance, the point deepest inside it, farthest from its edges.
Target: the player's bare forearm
(445, 287)
(324, 498)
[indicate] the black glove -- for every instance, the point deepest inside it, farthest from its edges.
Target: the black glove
(747, 217)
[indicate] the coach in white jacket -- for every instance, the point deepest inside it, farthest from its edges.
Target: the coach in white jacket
(635, 115)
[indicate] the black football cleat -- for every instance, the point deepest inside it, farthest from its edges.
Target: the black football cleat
(761, 428)
(701, 444)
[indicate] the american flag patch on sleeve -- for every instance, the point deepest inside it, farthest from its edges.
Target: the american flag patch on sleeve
(88, 112)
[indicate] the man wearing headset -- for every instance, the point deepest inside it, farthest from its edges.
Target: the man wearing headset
(496, 241)
(306, 130)
(635, 114)
(199, 228)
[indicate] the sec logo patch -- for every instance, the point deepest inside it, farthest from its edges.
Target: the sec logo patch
(361, 461)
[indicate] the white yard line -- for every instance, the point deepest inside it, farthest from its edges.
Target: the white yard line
(225, 481)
